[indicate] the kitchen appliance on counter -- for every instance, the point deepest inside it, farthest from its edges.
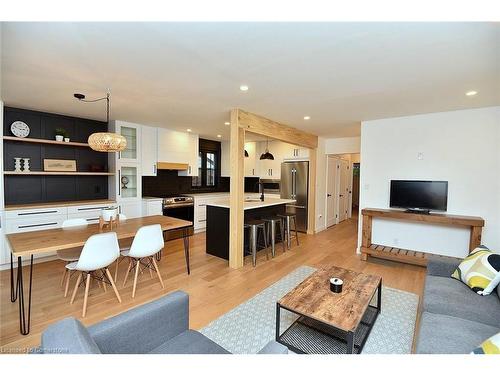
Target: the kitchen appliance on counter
(295, 185)
(180, 207)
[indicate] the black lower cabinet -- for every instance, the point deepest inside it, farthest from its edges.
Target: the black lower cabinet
(218, 227)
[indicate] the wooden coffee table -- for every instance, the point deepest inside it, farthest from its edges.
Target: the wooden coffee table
(330, 323)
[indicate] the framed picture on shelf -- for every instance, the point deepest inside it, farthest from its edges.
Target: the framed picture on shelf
(56, 165)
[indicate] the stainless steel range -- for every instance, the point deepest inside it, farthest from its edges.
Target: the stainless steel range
(180, 207)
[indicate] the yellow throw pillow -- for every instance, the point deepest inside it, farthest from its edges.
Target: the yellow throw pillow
(490, 346)
(480, 271)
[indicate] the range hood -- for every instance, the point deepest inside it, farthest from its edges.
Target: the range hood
(172, 166)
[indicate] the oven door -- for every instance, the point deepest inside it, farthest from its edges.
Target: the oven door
(184, 212)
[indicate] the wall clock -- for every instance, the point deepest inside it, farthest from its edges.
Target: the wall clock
(20, 129)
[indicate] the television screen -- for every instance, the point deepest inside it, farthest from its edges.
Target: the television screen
(423, 195)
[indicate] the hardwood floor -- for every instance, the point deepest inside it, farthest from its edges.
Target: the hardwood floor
(213, 287)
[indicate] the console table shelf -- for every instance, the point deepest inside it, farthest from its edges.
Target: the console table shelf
(411, 256)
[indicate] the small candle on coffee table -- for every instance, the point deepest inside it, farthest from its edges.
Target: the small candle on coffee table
(336, 285)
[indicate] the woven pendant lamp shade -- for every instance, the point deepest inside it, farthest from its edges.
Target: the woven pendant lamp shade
(107, 142)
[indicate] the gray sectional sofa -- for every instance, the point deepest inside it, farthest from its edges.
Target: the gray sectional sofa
(454, 318)
(158, 327)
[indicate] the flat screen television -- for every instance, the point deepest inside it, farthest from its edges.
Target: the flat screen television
(420, 196)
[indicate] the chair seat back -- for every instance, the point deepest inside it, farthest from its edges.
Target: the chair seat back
(147, 241)
(99, 251)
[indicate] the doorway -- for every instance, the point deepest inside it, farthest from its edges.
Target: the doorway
(342, 187)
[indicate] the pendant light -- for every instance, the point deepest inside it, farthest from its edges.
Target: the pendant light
(105, 141)
(267, 155)
(246, 154)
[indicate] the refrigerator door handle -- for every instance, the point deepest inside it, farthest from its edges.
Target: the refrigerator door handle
(294, 184)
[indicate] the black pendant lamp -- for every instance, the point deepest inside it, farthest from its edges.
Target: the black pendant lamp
(267, 155)
(246, 154)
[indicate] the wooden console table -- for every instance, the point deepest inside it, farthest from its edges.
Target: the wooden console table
(475, 224)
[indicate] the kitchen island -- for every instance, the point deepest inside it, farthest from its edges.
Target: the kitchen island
(218, 226)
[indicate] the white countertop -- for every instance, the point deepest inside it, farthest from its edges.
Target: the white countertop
(224, 203)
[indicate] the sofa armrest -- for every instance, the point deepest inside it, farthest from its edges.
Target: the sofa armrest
(143, 328)
(441, 265)
(67, 336)
(273, 347)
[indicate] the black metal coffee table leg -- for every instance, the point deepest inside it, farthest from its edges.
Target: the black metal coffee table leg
(24, 317)
(379, 297)
(278, 317)
(13, 288)
(350, 342)
(186, 248)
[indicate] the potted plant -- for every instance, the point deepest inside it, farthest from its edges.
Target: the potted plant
(61, 134)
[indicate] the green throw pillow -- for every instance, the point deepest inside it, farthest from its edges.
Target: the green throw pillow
(480, 271)
(490, 346)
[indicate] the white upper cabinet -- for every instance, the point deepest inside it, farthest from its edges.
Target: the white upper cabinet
(132, 133)
(179, 147)
(225, 159)
(149, 149)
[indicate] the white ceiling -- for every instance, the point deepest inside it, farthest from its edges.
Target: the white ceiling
(187, 75)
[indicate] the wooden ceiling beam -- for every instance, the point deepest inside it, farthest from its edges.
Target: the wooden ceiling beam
(269, 128)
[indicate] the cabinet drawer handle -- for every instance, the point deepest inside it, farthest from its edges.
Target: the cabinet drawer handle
(90, 208)
(94, 218)
(202, 221)
(35, 225)
(37, 213)
(202, 205)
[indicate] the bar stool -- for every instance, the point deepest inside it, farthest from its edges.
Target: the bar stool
(254, 226)
(287, 218)
(271, 223)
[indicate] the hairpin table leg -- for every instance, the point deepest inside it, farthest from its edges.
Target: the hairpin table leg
(186, 248)
(24, 317)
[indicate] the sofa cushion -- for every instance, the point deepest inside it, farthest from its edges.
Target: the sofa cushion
(444, 295)
(68, 336)
(443, 334)
(480, 270)
(190, 342)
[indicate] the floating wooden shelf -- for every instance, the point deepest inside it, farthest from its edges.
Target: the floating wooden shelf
(45, 141)
(41, 173)
(419, 258)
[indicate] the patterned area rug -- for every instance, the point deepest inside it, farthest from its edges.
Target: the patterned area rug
(251, 325)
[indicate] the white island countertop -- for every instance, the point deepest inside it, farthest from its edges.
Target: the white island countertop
(252, 204)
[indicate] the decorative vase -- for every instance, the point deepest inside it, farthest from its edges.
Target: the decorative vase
(59, 138)
(109, 213)
(17, 164)
(26, 165)
(66, 140)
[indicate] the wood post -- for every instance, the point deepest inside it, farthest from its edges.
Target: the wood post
(475, 237)
(236, 200)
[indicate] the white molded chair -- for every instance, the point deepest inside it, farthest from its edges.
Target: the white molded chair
(70, 255)
(121, 217)
(99, 251)
(147, 242)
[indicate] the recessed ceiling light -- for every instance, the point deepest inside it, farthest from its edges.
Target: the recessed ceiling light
(189, 130)
(244, 88)
(307, 117)
(471, 93)
(227, 123)
(219, 136)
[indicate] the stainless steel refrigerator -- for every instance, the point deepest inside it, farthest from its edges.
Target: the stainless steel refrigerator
(295, 185)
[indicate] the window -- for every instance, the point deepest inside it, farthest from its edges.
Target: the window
(208, 165)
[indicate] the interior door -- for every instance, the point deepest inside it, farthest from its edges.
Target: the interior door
(343, 190)
(331, 185)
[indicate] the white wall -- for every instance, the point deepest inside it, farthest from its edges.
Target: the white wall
(461, 147)
(349, 145)
(320, 186)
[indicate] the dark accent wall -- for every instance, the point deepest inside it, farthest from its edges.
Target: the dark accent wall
(169, 183)
(40, 189)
